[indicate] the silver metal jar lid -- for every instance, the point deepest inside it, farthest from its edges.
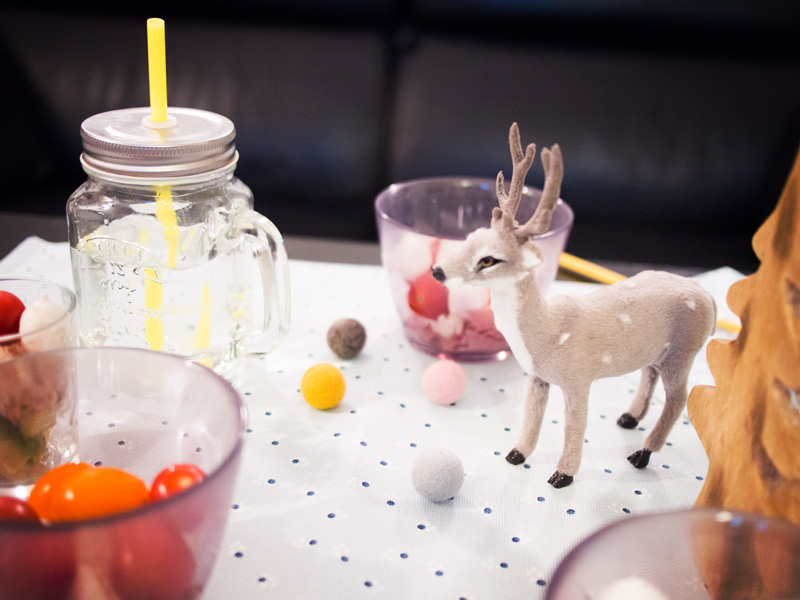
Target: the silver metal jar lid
(126, 142)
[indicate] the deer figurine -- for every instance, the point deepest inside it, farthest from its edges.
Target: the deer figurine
(654, 321)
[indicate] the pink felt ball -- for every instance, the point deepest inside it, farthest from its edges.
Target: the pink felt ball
(444, 382)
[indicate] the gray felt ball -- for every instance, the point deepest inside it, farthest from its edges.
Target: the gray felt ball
(437, 474)
(346, 338)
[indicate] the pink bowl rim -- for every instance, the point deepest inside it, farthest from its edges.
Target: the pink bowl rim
(474, 181)
(719, 515)
(34, 527)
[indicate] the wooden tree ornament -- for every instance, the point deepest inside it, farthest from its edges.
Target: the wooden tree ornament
(749, 422)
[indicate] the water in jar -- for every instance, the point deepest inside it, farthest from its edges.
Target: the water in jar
(142, 283)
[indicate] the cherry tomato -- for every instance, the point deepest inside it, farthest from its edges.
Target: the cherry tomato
(175, 479)
(11, 309)
(43, 491)
(427, 297)
(14, 509)
(93, 492)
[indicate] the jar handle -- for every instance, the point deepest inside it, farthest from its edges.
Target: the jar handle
(267, 246)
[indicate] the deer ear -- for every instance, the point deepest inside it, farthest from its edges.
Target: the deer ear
(531, 255)
(497, 214)
(502, 218)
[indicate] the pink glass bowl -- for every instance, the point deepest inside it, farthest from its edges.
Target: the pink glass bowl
(140, 411)
(422, 221)
(696, 554)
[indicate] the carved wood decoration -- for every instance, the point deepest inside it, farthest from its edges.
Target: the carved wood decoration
(749, 422)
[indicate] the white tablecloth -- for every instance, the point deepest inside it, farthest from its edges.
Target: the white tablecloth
(324, 506)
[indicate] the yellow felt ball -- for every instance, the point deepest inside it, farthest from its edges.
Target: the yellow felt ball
(323, 386)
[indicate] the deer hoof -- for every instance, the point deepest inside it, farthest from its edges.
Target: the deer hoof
(627, 421)
(640, 458)
(560, 480)
(515, 457)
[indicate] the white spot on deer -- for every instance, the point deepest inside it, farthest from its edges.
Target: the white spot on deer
(691, 304)
(607, 358)
(667, 344)
(564, 337)
(629, 284)
(625, 318)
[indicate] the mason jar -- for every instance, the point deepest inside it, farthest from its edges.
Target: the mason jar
(167, 252)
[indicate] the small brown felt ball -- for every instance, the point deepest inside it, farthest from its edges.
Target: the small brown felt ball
(346, 338)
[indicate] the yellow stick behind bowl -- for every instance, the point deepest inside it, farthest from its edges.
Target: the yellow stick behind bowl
(580, 266)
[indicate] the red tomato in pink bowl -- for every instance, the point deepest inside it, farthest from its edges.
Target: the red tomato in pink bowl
(174, 479)
(16, 509)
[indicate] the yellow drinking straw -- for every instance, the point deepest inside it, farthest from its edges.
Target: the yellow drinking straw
(600, 274)
(153, 297)
(157, 63)
(154, 332)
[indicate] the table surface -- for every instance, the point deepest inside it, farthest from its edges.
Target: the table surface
(324, 506)
(15, 227)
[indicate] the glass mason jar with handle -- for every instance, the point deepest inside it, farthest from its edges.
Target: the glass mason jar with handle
(167, 251)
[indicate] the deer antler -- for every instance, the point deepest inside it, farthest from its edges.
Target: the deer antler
(522, 163)
(553, 175)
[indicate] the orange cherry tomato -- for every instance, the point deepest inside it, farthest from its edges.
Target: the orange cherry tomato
(175, 479)
(42, 491)
(14, 509)
(95, 492)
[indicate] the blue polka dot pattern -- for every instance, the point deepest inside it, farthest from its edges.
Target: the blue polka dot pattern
(341, 478)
